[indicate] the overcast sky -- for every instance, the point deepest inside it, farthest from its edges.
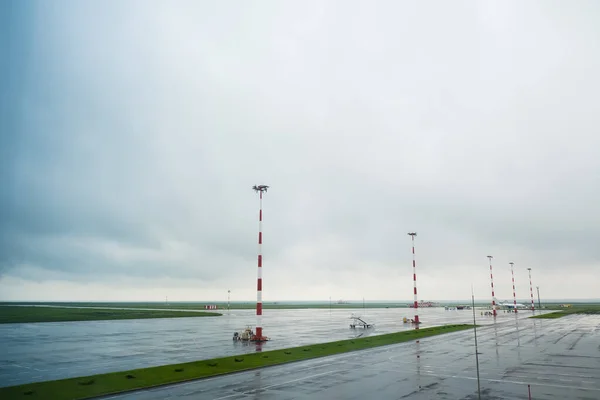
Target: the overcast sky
(133, 131)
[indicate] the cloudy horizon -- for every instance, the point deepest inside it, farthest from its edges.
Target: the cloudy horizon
(133, 131)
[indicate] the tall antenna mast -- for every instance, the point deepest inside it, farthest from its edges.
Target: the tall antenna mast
(258, 336)
(416, 304)
(493, 295)
(531, 290)
(512, 272)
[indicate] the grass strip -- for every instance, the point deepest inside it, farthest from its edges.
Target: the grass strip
(21, 314)
(553, 315)
(576, 309)
(116, 382)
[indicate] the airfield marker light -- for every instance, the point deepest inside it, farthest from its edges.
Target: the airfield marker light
(416, 304)
(512, 272)
(531, 290)
(493, 295)
(258, 336)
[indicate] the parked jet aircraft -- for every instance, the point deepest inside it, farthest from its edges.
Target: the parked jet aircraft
(511, 305)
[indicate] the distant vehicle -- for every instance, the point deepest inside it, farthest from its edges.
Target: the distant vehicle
(457, 307)
(424, 304)
(245, 335)
(358, 321)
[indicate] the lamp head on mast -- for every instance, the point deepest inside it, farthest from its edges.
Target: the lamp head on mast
(260, 188)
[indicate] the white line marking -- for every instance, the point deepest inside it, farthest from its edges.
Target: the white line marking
(507, 381)
(277, 384)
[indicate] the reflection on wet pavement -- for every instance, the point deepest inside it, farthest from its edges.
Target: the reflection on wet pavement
(45, 351)
(559, 359)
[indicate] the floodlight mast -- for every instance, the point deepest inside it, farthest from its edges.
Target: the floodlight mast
(493, 295)
(531, 290)
(258, 336)
(416, 304)
(512, 272)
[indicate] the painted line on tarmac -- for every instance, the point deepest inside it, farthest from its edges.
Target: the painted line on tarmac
(441, 375)
(277, 384)
(438, 375)
(197, 381)
(26, 367)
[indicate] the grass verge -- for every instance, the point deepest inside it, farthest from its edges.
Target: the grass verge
(115, 382)
(575, 309)
(553, 315)
(20, 314)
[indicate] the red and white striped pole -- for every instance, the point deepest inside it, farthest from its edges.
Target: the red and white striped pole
(416, 305)
(259, 334)
(512, 272)
(531, 290)
(493, 295)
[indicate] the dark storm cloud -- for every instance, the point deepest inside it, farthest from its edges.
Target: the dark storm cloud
(135, 132)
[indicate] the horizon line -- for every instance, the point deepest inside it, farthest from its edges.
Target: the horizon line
(287, 301)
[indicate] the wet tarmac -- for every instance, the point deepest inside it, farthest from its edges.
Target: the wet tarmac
(555, 359)
(35, 352)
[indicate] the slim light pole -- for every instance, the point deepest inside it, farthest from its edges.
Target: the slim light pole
(539, 303)
(512, 272)
(228, 298)
(416, 305)
(493, 295)
(476, 348)
(531, 290)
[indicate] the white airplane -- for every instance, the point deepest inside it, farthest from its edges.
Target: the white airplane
(511, 305)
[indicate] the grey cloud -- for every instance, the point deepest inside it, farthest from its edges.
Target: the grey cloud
(137, 131)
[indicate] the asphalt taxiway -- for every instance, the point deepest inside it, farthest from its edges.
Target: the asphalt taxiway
(33, 352)
(555, 359)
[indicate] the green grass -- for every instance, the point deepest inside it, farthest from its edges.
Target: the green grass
(575, 309)
(19, 314)
(104, 384)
